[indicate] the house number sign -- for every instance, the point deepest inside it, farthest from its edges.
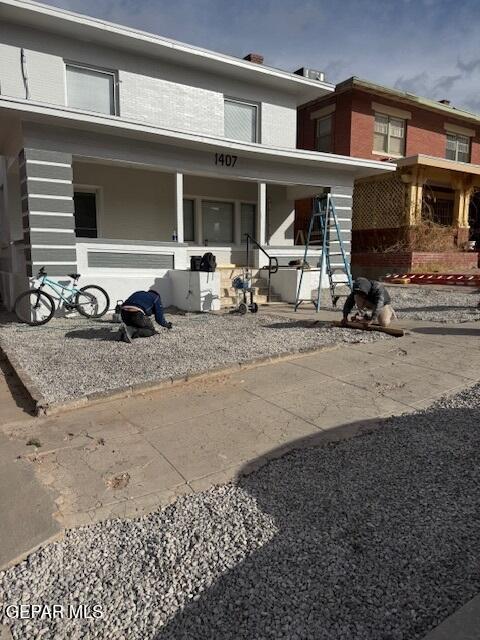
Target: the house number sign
(225, 159)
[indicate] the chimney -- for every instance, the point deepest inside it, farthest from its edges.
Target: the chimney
(445, 101)
(254, 57)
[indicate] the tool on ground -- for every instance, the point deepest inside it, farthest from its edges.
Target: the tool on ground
(398, 333)
(324, 231)
(244, 293)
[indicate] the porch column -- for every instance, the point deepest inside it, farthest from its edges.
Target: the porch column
(343, 198)
(463, 191)
(261, 213)
(179, 206)
(48, 212)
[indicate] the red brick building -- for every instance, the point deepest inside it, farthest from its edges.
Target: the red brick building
(366, 120)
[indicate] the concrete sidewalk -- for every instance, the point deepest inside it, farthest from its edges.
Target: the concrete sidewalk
(127, 457)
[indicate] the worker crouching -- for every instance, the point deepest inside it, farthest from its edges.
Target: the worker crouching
(135, 313)
(370, 295)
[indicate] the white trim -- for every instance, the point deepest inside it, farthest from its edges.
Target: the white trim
(47, 197)
(48, 163)
(343, 219)
(51, 230)
(391, 111)
(54, 214)
(52, 246)
(385, 154)
(51, 264)
(343, 208)
(463, 131)
(340, 195)
(55, 180)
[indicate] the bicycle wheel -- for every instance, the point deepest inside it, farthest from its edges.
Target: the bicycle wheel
(92, 301)
(35, 307)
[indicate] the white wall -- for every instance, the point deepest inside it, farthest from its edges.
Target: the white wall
(219, 188)
(280, 216)
(133, 204)
(150, 91)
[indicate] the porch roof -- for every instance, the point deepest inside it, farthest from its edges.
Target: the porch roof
(439, 163)
(15, 112)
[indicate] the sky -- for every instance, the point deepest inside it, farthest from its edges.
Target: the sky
(427, 47)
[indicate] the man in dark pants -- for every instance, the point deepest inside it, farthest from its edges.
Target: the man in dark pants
(370, 295)
(136, 312)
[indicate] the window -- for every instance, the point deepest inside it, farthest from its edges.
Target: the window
(240, 120)
(189, 220)
(217, 222)
(91, 89)
(247, 220)
(323, 134)
(85, 207)
(389, 135)
(458, 148)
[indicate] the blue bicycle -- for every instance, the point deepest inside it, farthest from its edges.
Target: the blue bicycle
(36, 306)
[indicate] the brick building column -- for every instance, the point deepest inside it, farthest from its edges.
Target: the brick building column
(47, 210)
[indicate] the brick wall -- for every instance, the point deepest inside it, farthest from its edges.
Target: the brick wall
(354, 120)
(375, 265)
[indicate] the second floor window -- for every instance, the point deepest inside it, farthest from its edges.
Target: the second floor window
(458, 148)
(389, 135)
(241, 120)
(323, 134)
(91, 89)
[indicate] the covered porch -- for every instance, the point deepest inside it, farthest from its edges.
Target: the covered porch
(128, 211)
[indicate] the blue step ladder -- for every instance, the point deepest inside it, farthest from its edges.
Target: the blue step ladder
(324, 231)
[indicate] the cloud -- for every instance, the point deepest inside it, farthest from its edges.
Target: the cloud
(470, 66)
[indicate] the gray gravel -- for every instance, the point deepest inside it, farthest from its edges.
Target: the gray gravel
(374, 538)
(69, 358)
(457, 304)
(432, 304)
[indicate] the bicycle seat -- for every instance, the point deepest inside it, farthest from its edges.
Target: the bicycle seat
(74, 276)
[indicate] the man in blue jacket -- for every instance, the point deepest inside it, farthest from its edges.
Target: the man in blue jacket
(136, 312)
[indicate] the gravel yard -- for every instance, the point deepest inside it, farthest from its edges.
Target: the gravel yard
(70, 358)
(447, 304)
(373, 538)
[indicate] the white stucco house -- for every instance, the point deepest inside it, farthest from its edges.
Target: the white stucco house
(123, 153)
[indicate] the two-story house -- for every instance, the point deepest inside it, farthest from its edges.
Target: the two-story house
(122, 154)
(435, 146)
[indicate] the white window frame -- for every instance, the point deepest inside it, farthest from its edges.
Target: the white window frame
(99, 203)
(107, 72)
(388, 152)
(198, 218)
(456, 135)
(256, 105)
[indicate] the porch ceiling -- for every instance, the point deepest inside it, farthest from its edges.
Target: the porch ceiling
(24, 112)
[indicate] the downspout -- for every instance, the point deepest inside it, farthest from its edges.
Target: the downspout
(23, 61)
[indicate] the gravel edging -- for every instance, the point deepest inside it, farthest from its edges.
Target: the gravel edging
(74, 363)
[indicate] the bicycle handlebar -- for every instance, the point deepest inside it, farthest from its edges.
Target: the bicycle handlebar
(41, 272)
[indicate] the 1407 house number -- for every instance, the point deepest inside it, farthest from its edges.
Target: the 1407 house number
(225, 159)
